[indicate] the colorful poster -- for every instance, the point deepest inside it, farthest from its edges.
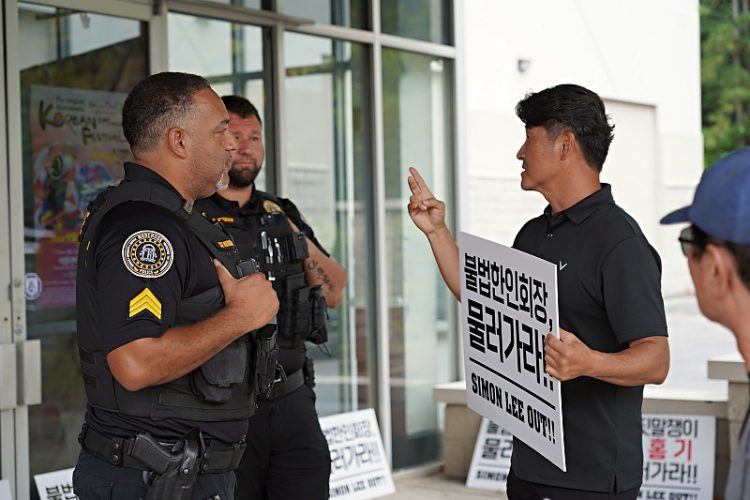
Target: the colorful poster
(77, 149)
(678, 457)
(359, 468)
(508, 306)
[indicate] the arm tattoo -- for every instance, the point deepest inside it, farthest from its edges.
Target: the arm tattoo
(320, 274)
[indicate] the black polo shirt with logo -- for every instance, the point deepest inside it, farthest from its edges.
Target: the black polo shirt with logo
(609, 292)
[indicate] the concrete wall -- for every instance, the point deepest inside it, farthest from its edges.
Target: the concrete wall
(641, 56)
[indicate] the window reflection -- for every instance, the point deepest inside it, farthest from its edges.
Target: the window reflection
(76, 69)
(231, 57)
(417, 122)
(352, 13)
(327, 140)
(428, 20)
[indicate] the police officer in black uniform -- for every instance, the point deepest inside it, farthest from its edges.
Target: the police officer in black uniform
(164, 310)
(287, 456)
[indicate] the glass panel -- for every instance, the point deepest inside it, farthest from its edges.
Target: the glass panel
(418, 131)
(231, 57)
(76, 70)
(428, 20)
(251, 4)
(350, 13)
(330, 181)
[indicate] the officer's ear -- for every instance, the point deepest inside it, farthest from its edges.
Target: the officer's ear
(177, 142)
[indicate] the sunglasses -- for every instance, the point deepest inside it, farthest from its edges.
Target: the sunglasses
(686, 239)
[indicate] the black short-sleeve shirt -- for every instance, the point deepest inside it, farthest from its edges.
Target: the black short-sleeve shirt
(609, 292)
(248, 244)
(114, 287)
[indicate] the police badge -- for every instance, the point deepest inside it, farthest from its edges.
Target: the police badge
(147, 254)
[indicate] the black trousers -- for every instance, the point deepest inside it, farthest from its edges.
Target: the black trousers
(287, 456)
(519, 489)
(96, 479)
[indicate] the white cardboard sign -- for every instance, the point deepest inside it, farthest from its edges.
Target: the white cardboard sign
(5, 490)
(678, 457)
(57, 485)
(491, 460)
(508, 305)
(359, 467)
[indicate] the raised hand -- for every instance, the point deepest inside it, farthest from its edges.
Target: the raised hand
(427, 212)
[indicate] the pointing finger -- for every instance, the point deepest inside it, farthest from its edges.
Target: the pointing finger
(421, 184)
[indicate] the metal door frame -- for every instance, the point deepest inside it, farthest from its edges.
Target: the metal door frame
(20, 359)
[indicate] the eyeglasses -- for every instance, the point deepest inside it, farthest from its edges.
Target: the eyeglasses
(686, 239)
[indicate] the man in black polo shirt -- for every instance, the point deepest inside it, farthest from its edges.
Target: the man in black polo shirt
(287, 454)
(613, 334)
(161, 328)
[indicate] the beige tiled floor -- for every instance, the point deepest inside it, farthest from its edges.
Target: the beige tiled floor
(436, 485)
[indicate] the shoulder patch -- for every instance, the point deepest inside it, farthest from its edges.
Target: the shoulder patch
(147, 254)
(145, 301)
(271, 207)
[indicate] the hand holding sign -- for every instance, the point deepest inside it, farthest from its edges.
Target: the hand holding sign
(567, 357)
(427, 212)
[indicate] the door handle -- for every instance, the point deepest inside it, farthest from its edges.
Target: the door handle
(8, 392)
(29, 369)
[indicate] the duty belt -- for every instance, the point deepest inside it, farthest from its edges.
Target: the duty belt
(291, 384)
(144, 453)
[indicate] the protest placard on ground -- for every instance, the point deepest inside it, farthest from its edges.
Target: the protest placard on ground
(490, 462)
(508, 305)
(678, 457)
(359, 467)
(56, 485)
(5, 490)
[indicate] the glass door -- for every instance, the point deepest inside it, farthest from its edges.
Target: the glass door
(76, 69)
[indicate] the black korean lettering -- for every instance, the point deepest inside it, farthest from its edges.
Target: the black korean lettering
(476, 325)
(507, 334)
(539, 299)
(511, 288)
(470, 271)
(524, 294)
(496, 279)
(491, 329)
(483, 276)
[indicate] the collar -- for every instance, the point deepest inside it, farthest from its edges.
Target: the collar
(584, 208)
(136, 172)
(231, 205)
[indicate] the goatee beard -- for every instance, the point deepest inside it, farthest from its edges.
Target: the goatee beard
(242, 178)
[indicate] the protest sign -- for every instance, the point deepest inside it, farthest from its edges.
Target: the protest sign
(508, 305)
(57, 485)
(359, 468)
(678, 457)
(5, 489)
(491, 460)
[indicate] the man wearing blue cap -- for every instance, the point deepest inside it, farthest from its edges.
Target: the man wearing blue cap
(717, 246)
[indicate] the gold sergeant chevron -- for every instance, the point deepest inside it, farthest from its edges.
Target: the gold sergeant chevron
(145, 301)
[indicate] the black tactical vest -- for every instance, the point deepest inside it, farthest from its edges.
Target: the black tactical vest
(220, 390)
(280, 253)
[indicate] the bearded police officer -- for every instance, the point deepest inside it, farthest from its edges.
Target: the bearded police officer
(163, 310)
(287, 453)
